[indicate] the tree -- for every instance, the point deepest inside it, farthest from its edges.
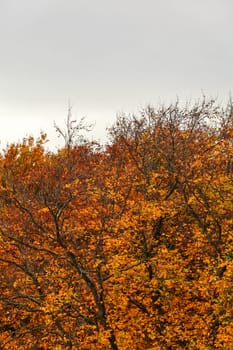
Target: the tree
(127, 246)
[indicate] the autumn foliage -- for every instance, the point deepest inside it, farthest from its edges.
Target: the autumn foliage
(127, 246)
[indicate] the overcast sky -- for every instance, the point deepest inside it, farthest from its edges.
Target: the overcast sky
(108, 57)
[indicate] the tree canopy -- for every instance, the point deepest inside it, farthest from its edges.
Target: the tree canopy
(123, 246)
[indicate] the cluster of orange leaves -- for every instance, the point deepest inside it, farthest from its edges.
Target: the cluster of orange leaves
(127, 246)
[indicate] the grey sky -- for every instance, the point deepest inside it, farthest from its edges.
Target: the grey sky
(108, 56)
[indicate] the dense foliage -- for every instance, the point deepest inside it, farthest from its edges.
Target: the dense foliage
(127, 246)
